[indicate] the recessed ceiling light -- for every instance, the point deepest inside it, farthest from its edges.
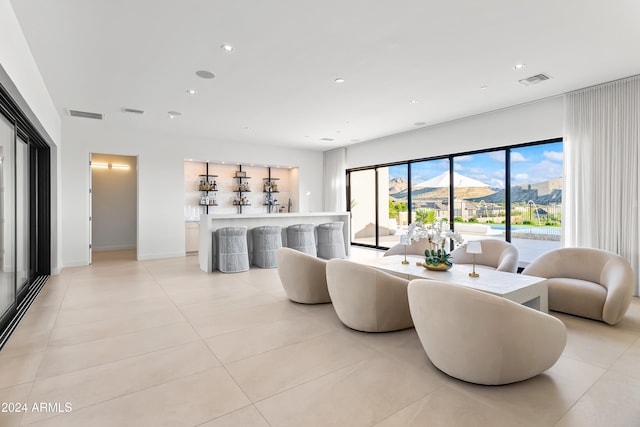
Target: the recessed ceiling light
(174, 114)
(339, 80)
(246, 128)
(326, 139)
(227, 47)
(518, 66)
(413, 101)
(205, 74)
(191, 91)
(484, 87)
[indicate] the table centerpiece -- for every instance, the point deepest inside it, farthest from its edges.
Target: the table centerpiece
(438, 235)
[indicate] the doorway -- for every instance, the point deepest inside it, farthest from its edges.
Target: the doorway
(113, 205)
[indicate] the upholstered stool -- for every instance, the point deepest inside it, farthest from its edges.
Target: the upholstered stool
(301, 237)
(331, 240)
(266, 241)
(231, 249)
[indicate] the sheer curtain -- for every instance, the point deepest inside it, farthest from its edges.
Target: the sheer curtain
(602, 158)
(334, 183)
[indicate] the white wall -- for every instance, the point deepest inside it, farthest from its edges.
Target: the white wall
(114, 203)
(531, 122)
(160, 227)
(19, 74)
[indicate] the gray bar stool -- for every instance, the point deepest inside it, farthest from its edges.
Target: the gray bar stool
(301, 237)
(266, 240)
(331, 240)
(232, 252)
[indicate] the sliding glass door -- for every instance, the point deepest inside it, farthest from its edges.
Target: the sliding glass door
(7, 209)
(22, 214)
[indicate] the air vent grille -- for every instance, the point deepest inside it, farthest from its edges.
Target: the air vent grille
(85, 114)
(133, 111)
(533, 80)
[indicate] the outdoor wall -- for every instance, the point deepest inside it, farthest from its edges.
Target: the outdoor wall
(160, 228)
(530, 122)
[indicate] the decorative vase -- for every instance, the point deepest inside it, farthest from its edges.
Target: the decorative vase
(440, 267)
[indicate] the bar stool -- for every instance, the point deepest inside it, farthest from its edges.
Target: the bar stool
(267, 240)
(232, 253)
(301, 237)
(331, 240)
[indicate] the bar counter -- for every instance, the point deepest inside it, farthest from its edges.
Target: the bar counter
(212, 222)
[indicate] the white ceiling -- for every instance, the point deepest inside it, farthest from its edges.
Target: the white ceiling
(278, 87)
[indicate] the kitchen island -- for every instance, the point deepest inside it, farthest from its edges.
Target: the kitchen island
(209, 223)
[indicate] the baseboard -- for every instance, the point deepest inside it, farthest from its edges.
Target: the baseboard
(113, 248)
(143, 257)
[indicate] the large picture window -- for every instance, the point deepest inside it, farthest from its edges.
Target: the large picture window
(512, 193)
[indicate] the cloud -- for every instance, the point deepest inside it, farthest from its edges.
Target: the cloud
(496, 183)
(466, 158)
(517, 157)
(458, 167)
(521, 178)
(498, 156)
(555, 156)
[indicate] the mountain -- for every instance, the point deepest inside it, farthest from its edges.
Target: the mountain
(442, 180)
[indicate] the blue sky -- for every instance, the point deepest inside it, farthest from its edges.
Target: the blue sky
(529, 165)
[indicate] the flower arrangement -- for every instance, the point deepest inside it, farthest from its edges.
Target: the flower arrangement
(438, 235)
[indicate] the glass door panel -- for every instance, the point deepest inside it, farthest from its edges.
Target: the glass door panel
(393, 192)
(430, 191)
(7, 216)
(536, 199)
(479, 195)
(363, 206)
(22, 213)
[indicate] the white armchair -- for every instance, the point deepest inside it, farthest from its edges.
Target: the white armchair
(367, 299)
(586, 282)
(482, 338)
(303, 276)
(496, 254)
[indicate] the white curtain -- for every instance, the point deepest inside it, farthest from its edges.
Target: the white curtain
(602, 158)
(334, 183)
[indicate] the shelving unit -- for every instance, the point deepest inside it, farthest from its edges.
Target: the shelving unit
(270, 187)
(207, 187)
(241, 187)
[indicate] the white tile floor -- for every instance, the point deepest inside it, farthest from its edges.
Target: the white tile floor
(151, 343)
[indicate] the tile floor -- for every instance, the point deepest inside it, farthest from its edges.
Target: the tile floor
(150, 343)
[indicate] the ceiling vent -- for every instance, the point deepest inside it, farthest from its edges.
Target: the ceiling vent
(534, 80)
(133, 111)
(85, 114)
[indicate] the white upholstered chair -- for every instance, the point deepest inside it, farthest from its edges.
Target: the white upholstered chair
(482, 338)
(415, 248)
(496, 254)
(367, 299)
(303, 276)
(586, 282)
